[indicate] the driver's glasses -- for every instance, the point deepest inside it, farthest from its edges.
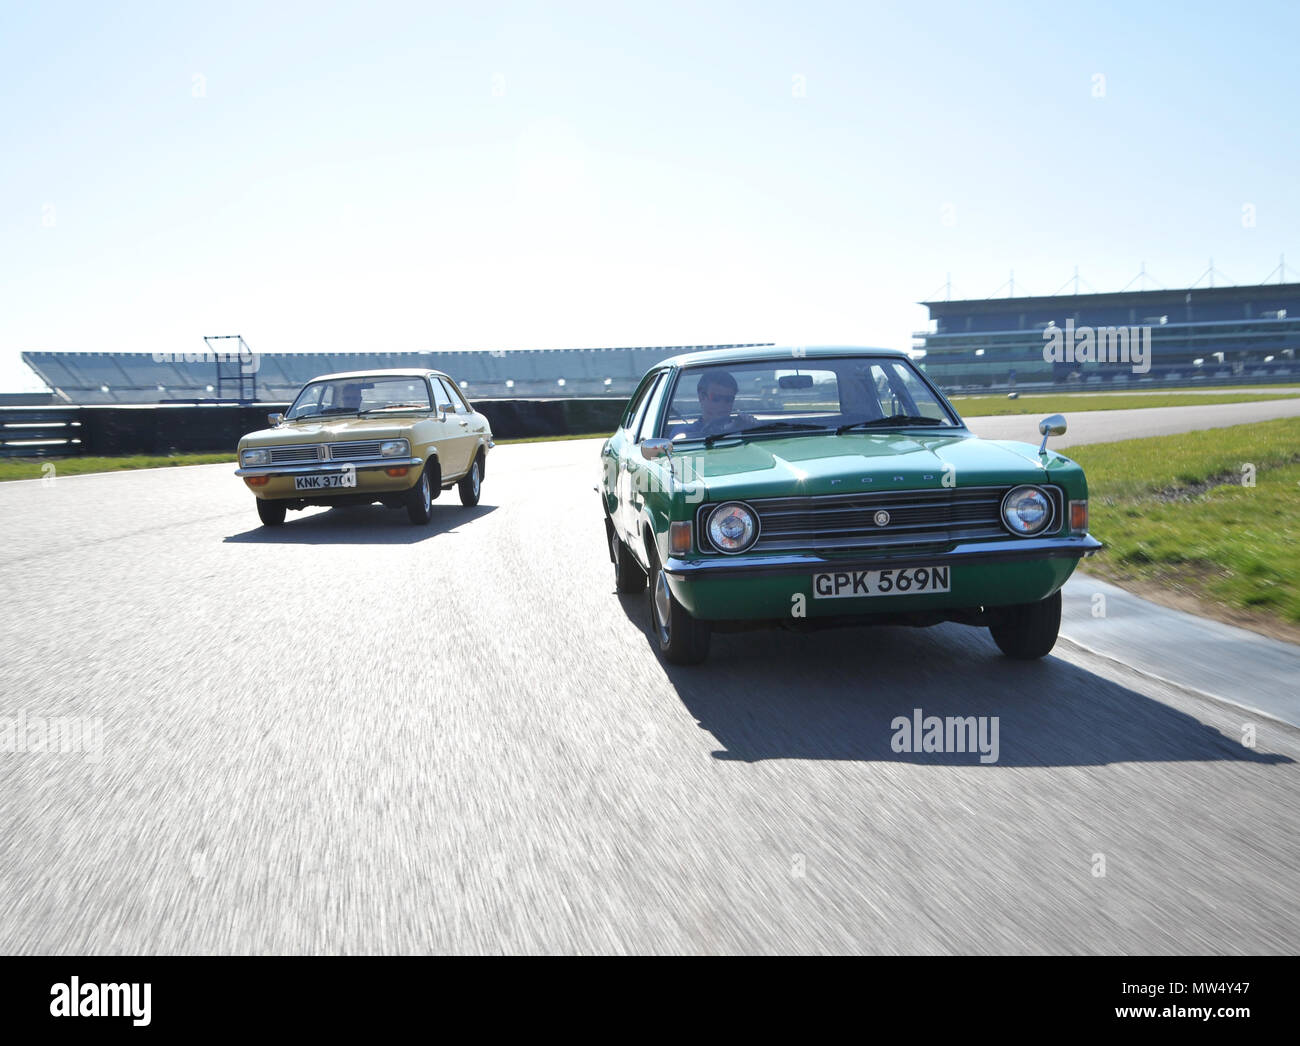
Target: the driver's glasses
(722, 397)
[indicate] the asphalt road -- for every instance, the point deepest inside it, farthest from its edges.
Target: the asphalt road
(1032, 391)
(354, 735)
(1110, 426)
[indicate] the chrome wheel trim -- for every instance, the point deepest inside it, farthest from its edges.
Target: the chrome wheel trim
(474, 480)
(425, 495)
(663, 607)
(613, 549)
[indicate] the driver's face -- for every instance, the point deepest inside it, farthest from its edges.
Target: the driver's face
(352, 396)
(716, 401)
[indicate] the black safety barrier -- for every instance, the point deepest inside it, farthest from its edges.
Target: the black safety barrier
(212, 428)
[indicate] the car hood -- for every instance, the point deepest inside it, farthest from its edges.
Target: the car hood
(811, 465)
(330, 431)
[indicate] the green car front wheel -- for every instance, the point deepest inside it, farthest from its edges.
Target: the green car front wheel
(629, 578)
(1028, 631)
(683, 639)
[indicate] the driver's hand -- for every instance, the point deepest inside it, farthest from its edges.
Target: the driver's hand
(745, 420)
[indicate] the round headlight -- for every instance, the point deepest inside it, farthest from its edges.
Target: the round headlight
(257, 457)
(394, 448)
(733, 527)
(1027, 510)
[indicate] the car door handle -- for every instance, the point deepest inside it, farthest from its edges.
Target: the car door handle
(461, 422)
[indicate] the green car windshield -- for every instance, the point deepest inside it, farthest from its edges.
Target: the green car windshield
(776, 396)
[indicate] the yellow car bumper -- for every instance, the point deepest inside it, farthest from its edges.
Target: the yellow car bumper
(277, 482)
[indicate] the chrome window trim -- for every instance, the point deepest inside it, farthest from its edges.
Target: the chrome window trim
(907, 363)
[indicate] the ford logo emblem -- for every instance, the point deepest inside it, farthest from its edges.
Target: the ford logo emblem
(882, 518)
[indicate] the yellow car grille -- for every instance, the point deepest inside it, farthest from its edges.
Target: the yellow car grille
(307, 453)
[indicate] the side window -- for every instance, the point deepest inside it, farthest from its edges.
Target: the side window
(458, 398)
(310, 403)
(637, 402)
(440, 398)
(453, 394)
(915, 397)
(638, 416)
(653, 402)
(886, 399)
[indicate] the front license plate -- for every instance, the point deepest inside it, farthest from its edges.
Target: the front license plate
(901, 581)
(340, 479)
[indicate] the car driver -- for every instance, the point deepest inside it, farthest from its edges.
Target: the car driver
(717, 392)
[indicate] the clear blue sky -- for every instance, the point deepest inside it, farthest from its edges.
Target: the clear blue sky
(404, 176)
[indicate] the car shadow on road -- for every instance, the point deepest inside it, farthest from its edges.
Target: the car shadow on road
(836, 694)
(362, 525)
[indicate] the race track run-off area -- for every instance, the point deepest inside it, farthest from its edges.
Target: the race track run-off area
(354, 735)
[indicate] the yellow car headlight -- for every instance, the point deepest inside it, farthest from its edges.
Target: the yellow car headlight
(255, 457)
(394, 448)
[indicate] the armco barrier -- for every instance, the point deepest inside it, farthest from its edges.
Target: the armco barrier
(117, 431)
(188, 429)
(32, 432)
(519, 419)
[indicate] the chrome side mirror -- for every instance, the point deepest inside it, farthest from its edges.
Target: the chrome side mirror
(1053, 425)
(275, 420)
(656, 448)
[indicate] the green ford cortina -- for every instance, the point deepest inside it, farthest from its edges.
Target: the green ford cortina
(816, 487)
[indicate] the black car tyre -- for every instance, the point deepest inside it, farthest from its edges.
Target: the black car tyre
(682, 639)
(419, 499)
(628, 575)
(271, 513)
(472, 484)
(1028, 631)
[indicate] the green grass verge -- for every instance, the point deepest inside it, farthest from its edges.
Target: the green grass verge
(1063, 403)
(1176, 511)
(1236, 388)
(34, 468)
(553, 439)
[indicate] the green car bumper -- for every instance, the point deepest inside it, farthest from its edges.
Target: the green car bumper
(768, 587)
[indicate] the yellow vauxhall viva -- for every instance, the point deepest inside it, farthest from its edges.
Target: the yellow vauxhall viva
(397, 437)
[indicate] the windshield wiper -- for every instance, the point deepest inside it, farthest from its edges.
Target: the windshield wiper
(771, 426)
(396, 406)
(893, 419)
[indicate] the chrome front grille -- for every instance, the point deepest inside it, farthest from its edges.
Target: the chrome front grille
(919, 520)
(366, 448)
(294, 455)
(305, 454)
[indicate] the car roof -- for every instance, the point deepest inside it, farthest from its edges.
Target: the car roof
(403, 372)
(777, 352)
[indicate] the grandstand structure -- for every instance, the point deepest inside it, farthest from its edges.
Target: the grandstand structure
(203, 377)
(1223, 334)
